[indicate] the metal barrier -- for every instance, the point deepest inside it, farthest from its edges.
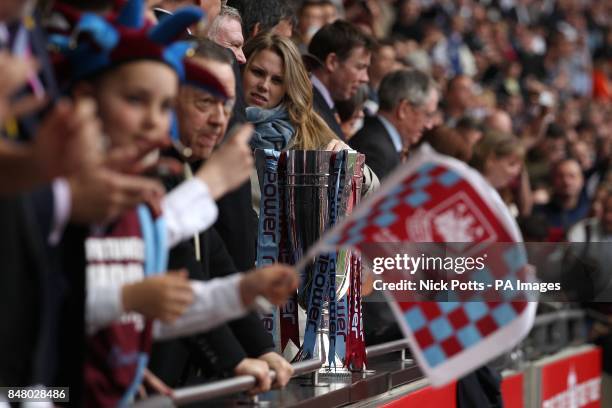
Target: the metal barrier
(220, 388)
(549, 318)
(386, 348)
(243, 383)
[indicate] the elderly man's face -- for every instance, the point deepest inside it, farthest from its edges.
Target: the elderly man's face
(203, 118)
(413, 120)
(230, 36)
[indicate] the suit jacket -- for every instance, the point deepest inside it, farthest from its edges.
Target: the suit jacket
(21, 251)
(328, 114)
(237, 222)
(216, 352)
(42, 302)
(374, 141)
(238, 113)
(237, 226)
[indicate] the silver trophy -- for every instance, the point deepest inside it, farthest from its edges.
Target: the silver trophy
(309, 178)
(305, 179)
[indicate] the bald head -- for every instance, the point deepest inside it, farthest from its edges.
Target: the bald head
(499, 120)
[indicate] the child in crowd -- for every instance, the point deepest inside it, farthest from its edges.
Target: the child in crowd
(131, 70)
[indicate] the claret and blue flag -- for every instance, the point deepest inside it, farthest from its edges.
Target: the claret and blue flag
(437, 199)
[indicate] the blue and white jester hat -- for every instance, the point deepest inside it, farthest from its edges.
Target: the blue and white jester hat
(98, 43)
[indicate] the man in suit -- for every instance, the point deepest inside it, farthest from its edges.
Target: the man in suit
(340, 54)
(242, 346)
(408, 102)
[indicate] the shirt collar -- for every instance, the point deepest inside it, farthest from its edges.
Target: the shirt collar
(393, 133)
(316, 82)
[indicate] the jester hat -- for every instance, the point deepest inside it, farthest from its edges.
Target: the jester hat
(97, 43)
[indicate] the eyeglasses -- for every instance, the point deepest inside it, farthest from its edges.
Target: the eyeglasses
(421, 109)
(205, 103)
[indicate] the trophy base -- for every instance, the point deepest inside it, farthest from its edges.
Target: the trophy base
(336, 372)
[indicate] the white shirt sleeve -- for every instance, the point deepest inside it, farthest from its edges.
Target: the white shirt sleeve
(62, 203)
(102, 306)
(216, 301)
(188, 210)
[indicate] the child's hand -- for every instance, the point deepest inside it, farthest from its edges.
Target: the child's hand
(164, 297)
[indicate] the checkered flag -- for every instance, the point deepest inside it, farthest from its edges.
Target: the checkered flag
(437, 199)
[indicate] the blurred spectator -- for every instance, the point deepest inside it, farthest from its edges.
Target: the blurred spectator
(257, 16)
(534, 228)
(449, 142)
(459, 98)
(330, 12)
(384, 61)
(351, 112)
(409, 23)
(569, 202)
(226, 30)
(596, 229)
(288, 20)
(499, 121)
(550, 150)
(470, 131)
(602, 89)
(499, 157)
(211, 7)
(311, 17)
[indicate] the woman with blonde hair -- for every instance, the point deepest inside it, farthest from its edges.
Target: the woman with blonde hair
(278, 94)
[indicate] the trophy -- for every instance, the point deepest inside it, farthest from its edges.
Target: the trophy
(316, 189)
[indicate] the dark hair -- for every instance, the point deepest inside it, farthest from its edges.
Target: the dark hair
(346, 109)
(534, 227)
(467, 123)
(267, 13)
(209, 50)
(287, 12)
(555, 131)
(339, 37)
(313, 3)
(382, 43)
(448, 142)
